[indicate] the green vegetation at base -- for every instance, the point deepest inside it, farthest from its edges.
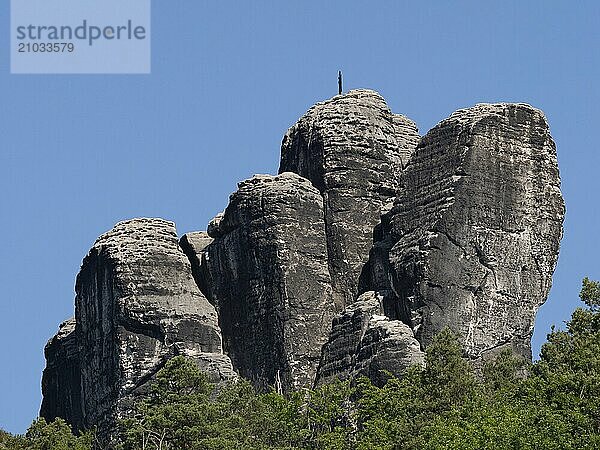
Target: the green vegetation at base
(551, 404)
(47, 436)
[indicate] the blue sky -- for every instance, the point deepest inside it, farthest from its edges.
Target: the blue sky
(79, 153)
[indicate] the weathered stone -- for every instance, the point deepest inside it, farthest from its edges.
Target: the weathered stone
(136, 306)
(61, 380)
(213, 226)
(472, 241)
(353, 149)
(269, 280)
(364, 342)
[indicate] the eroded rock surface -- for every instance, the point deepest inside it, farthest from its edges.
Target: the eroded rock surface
(136, 306)
(353, 150)
(469, 236)
(472, 240)
(364, 342)
(61, 380)
(269, 280)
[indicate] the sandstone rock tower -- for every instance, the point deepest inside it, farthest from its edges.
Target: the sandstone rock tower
(368, 242)
(136, 306)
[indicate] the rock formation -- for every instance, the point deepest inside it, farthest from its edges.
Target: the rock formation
(364, 342)
(353, 149)
(136, 306)
(472, 240)
(61, 380)
(269, 280)
(348, 266)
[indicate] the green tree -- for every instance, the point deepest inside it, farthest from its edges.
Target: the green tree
(184, 410)
(41, 435)
(565, 384)
(330, 417)
(56, 435)
(556, 407)
(590, 293)
(176, 413)
(10, 442)
(448, 379)
(395, 415)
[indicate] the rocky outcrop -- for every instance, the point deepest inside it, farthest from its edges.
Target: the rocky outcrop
(472, 241)
(269, 280)
(364, 342)
(61, 380)
(353, 150)
(136, 306)
(460, 228)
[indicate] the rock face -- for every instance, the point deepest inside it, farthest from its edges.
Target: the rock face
(268, 277)
(460, 228)
(61, 380)
(472, 241)
(364, 342)
(136, 306)
(353, 149)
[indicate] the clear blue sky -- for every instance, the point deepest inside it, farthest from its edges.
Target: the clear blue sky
(79, 153)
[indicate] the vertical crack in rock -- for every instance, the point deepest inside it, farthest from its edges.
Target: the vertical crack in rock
(473, 238)
(194, 245)
(268, 273)
(353, 149)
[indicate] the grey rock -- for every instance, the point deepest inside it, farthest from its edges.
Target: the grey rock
(364, 342)
(213, 226)
(61, 380)
(194, 245)
(136, 306)
(270, 282)
(461, 230)
(472, 241)
(353, 149)
(388, 347)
